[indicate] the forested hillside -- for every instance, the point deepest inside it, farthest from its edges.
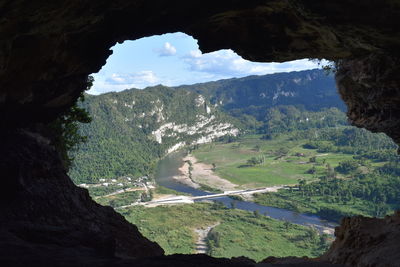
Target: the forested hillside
(132, 129)
(251, 98)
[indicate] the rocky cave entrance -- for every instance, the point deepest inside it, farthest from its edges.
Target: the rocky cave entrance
(49, 49)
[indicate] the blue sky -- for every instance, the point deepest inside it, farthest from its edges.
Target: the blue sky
(175, 59)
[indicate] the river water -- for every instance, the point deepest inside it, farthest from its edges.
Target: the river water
(169, 167)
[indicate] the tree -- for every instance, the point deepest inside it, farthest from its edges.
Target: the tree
(347, 166)
(313, 170)
(256, 160)
(302, 183)
(217, 205)
(64, 129)
(253, 161)
(330, 172)
(112, 203)
(257, 214)
(266, 137)
(286, 224)
(145, 197)
(214, 167)
(190, 169)
(215, 237)
(282, 151)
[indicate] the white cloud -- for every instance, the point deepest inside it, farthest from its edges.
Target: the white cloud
(167, 50)
(146, 76)
(121, 81)
(226, 63)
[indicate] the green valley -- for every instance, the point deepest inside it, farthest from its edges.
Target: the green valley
(286, 131)
(134, 128)
(283, 161)
(323, 174)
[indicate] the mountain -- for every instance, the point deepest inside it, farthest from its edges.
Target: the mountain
(132, 129)
(311, 89)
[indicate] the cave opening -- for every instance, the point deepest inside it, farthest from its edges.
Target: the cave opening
(290, 129)
(49, 49)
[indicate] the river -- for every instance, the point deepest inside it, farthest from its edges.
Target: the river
(169, 167)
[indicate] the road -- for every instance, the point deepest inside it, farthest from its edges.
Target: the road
(191, 199)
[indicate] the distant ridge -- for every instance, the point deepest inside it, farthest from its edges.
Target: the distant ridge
(132, 129)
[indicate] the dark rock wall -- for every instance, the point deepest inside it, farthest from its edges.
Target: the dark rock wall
(364, 241)
(47, 49)
(44, 213)
(370, 87)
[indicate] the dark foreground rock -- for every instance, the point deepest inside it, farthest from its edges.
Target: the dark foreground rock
(370, 87)
(364, 241)
(44, 215)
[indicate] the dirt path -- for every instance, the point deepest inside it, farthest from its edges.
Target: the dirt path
(202, 174)
(202, 233)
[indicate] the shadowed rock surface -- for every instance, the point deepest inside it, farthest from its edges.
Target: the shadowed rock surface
(44, 215)
(370, 87)
(364, 241)
(47, 49)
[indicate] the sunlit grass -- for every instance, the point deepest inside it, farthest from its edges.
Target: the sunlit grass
(240, 233)
(230, 158)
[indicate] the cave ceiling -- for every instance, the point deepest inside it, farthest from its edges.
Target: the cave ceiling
(47, 48)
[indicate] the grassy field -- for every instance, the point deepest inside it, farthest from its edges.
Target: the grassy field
(285, 162)
(314, 205)
(239, 233)
(231, 158)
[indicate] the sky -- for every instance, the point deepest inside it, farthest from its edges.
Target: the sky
(175, 59)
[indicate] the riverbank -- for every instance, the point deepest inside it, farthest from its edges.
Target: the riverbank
(321, 206)
(168, 168)
(201, 174)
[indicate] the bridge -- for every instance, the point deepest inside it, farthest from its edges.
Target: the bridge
(191, 199)
(239, 192)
